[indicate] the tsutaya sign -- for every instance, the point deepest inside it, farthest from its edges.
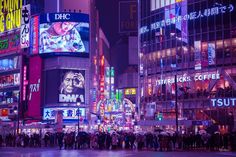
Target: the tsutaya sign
(10, 14)
(224, 102)
(187, 78)
(217, 9)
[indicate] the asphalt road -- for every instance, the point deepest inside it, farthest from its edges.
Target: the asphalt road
(54, 152)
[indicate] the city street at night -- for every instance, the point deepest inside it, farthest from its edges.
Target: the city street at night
(53, 152)
(118, 78)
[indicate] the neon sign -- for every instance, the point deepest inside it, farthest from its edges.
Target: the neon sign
(187, 78)
(217, 9)
(225, 102)
(9, 43)
(10, 14)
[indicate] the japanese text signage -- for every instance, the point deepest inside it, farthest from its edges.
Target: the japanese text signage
(25, 26)
(10, 14)
(34, 35)
(130, 91)
(215, 10)
(9, 43)
(69, 113)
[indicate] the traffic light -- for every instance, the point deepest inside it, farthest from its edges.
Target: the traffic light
(159, 116)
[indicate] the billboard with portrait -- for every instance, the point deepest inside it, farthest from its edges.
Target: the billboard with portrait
(64, 34)
(72, 86)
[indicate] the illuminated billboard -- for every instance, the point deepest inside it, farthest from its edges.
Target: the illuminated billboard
(10, 15)
(34, 35)
(72, 86)
(69, 113)
(64, 34)
(9, 80)
(10, 63)
(34, 86)
(9, 43)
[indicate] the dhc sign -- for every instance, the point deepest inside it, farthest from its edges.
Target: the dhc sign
(224, 102)
(62, 16)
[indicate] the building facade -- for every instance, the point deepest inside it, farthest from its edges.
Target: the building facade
(45, 72)
(187, 63)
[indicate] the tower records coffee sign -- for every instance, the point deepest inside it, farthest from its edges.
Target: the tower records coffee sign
(10, 14)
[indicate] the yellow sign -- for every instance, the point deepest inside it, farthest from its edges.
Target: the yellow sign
(130, 91)
(10, 14)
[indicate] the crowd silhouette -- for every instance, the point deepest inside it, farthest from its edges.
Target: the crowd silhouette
(161, 141)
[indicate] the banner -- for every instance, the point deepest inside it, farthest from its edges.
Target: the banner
(25, 26)
(211, 53)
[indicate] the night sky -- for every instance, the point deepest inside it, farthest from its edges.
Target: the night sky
(108, 11)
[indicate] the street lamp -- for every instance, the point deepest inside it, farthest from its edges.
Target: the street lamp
(78, 104)
(176, 106)
(15, 118)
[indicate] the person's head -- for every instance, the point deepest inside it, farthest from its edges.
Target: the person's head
(61, 28)
(68, 82)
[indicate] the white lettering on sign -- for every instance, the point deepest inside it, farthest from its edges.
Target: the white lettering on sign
(217, 9)
(69, 113)
(225, 102)
(71, 98)
(62, 16)
(34, 88)
(186, 78)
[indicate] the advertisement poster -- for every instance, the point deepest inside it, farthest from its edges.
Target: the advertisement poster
(9, 43)
(211, 53)
(197, 55)
(34, 35)
(72, 86)
(64, 33)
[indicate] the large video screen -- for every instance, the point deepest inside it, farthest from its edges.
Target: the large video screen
(63, 34)
(9, 80)
(10, 63)
(72, 86)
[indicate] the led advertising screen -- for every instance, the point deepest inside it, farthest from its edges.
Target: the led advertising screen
(9, 80)
(64, 34)
(72, 86)
(10, 63)
(10, 43)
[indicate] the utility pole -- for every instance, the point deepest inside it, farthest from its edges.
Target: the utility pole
(176, 106)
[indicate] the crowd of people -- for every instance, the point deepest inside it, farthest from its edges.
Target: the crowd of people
(162, 141)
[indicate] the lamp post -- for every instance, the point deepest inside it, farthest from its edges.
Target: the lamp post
(176, 106)
(15, 119)
(78, 113)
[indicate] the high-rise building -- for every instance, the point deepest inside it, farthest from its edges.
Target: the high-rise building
(187, 64)
(46, 71)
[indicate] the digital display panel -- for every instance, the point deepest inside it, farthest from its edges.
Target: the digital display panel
(64, 86)
(9, 63)
(9, 80)
(64, 34)
(9, 97)
(72, 86)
